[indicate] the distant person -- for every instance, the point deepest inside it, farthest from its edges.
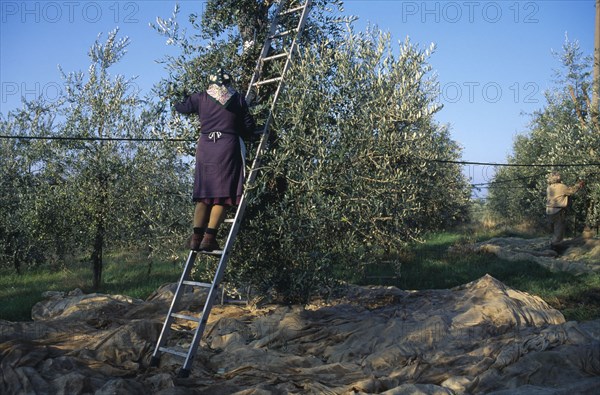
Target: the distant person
(219, 172)
(557, 200)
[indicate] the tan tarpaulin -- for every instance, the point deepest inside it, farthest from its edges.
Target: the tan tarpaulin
(479, 338)
(578, 255)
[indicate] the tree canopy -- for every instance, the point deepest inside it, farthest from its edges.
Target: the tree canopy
(357, 168)
(354, 170)
(564, 135)
(92, 184)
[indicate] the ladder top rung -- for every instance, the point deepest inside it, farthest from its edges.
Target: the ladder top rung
(292, 10)
(185, 317)
(198, 284)
(264, 82)
(273, 57)
(172, 351)
(283, 34)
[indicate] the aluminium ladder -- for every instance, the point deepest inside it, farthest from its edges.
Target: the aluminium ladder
(279, 35)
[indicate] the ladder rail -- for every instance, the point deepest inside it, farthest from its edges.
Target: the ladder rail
(265, 49)
(213, 293)
(162, 338)
(265, 136)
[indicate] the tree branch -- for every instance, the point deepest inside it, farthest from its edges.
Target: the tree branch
(577, 107)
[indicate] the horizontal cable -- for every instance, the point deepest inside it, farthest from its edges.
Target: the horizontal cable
(92, 138)
(501, 181)
(457, 162)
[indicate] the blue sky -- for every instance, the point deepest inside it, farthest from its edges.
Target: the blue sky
(493, 58)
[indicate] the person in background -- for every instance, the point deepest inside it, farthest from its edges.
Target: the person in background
(219, 171)
(557, 200)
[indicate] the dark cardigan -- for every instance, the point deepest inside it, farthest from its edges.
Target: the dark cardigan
(219, 173)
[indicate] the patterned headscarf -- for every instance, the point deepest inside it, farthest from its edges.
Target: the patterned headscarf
(220, 77)
(220, 86)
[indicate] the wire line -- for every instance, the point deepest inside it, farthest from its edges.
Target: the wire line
(511, 164)
(456, 162)
(92, 138)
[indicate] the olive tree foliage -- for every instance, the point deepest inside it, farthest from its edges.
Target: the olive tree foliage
(358, 168)
(565, 135)
(16, 199)
(228, 34)
(96, 185)
(354, 170)
(33, 204)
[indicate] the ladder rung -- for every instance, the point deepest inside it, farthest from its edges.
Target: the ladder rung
(174, 352)
(197, 284)
(273, 57)
(229, 220)
(261, 131)
(213, 253)
(236, 301)
(264, 82)
(185, 317)
(283, 34)
(292, 10)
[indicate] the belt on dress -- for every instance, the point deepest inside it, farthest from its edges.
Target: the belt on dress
(214, 135)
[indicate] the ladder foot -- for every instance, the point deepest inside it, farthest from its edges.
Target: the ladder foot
(154, 362)
(183, 373)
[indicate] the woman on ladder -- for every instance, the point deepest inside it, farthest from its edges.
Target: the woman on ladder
(219, 171)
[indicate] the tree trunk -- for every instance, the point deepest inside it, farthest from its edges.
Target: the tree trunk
(17, 262)
(596, 90)
(100, 231)
(97, 253)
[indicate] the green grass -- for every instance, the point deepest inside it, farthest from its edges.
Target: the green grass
(430, 265)
(433, 266)
(124, 273)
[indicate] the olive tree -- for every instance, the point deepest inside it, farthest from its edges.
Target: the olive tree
(100, 180)
(127, 189)
(16, 193)
(358, 168)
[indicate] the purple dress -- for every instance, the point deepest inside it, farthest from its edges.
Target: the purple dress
(219, 173)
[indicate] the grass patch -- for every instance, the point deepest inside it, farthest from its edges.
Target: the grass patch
(429, 265)
(125, 273)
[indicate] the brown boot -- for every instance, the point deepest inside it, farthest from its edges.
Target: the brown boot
(195, 242)
(209, 243)
(196, 239)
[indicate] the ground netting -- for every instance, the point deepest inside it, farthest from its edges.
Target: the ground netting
(479, 338)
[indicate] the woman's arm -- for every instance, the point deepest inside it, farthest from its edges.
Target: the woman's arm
(190, 105)
(248, 124)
